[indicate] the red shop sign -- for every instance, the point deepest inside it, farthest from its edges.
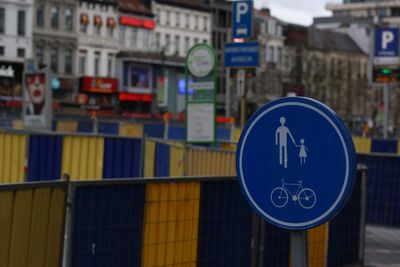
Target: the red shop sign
(136, 22)
(99, 85)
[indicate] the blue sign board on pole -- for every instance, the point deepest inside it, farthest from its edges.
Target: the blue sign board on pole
(386, 46)
(241, 55)
(242, 19)
(296, 163)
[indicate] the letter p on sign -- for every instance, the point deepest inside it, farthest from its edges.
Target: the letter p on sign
(242, 8)
(387, 37)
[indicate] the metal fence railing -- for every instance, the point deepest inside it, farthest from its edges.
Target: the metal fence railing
(188, 221)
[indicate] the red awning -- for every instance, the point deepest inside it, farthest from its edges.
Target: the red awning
(135, 97)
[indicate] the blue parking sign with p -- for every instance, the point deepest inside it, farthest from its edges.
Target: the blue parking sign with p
(242, 19)
(387, 42)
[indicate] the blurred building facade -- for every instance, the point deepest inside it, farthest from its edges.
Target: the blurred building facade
(15, 46)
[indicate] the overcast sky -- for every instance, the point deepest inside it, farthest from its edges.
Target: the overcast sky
(296, 11)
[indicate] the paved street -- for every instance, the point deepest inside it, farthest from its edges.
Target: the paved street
(382, 247)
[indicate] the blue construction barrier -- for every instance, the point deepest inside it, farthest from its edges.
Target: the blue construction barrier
(85, 127)
(227, 218)
(108, 128)
(44, 159)
(122, 157)
(384, 146)
(155, 130)
(107, 226)
(162, 159)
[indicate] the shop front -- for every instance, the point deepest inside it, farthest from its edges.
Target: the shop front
(10, 85)
(98, 94)
(136, 96)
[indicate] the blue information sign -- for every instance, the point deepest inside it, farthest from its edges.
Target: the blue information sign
(241, 55)
(242, 19)
(386, 46)
(296, 163)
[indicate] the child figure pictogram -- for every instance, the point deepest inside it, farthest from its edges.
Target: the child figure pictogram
(303, 152)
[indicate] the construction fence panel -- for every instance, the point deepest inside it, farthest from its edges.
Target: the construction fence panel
(12, 157)
(31, 225)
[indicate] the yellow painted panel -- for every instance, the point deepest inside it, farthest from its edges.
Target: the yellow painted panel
(82, 157)
(17, 124)
(21, 222)
(131, 129)
(67, 126)
(236, 134)
(176, 161)
(55, 228)
(398, 147)
(318, 245)
(39, 227)
(6, 208)
(171, 224)
(228, 146)
(210, 162)
(362, 144)
(12, 157)
(149, 158)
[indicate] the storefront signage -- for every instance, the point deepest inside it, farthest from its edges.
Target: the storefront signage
(37, 104)
(137, 22)
(99, 85)
(6, 71)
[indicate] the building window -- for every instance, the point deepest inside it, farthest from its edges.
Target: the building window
(21, 22)
(187, 44)
(2, 19)
(158, 44)
(68, 61)
(196, 22)
(177, 44)
(187, 21)
(196, 41)
(167, 42)
(271, 54)
(110, 26)
(82, 63)
(157, 18)
(110, 65)
(54, 17)
(178, 17)
(39, 54)
(84, 23)
(40, 16)
(168, 18)
(205, 41)
(1, 50)
(121, 38)
(97, 25)
(145, 39)
(205, 24)
(134, 37)
(68, 19)
(96, 63)
(21, 52)
(54, 59)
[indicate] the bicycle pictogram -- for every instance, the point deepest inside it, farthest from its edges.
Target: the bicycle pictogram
(304, 196)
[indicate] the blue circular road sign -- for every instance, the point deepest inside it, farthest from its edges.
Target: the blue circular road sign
(296, 163)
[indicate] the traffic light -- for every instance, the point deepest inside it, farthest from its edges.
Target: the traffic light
(386, 75)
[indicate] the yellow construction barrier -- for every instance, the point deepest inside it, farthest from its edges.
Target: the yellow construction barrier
(362, 144)
(17, 124)
(131, 129)
(171, 222)
(82, 157)
(176, 163)
(67, 126)
(149, 157)
(31, 227)
(205, 162)
(318, 245)
(12, 157)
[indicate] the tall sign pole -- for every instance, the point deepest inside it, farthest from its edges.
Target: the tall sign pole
(200, 69)
(242, 28)
(386, 65)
